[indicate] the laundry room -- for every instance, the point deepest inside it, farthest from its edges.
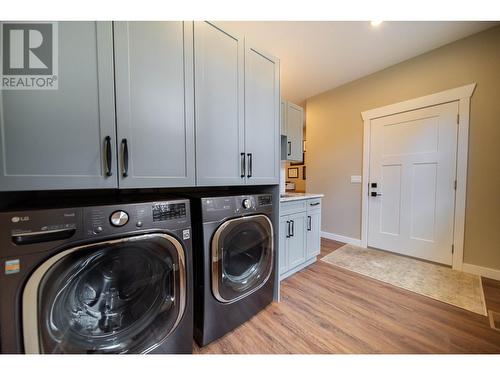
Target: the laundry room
(180, 182)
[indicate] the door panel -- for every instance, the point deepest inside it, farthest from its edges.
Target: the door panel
(155, 103)
(295, 124)
(297, 241)
(262, 109)
(55, 139)
(219, 112)
(313, 239)
(413, 162)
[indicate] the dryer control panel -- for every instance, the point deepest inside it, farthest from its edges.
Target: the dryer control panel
(217, 208)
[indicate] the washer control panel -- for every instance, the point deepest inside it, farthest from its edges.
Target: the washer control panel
(26, 232)
(113, 219)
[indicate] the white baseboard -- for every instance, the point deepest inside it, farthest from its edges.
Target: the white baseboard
(481, 271)
(339, 238)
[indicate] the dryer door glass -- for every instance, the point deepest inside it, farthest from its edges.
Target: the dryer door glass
(242, 257)
(122, 296)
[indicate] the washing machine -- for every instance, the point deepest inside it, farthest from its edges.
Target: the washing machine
(234, 260)
(97, 279)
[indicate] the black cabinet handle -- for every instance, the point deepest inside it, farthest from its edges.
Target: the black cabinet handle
(314, 204)
(108, 155)
(293, 228)
(249, 165)
(309, 223)
(289, 148)
(125, 157)
(287, 229)
(242, 165)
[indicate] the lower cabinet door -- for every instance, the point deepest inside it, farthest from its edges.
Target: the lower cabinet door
(313, 239)
(297, 241)
(282, 245)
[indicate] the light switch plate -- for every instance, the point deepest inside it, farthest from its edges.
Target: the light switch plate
(355, 179)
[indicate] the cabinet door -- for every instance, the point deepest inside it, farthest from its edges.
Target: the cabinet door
(282, 245)
(295, 124)
(297, 241)
(154, 103)
(262, 114)
(219, 106)
(56, 139)
(313, 239)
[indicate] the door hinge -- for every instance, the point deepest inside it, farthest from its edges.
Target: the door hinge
(458, 118)
(452, 249)
(455, 184)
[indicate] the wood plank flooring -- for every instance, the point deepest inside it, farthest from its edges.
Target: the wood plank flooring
(326, 309)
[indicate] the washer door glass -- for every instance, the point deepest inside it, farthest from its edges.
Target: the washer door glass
(122, 296)
(242, 257)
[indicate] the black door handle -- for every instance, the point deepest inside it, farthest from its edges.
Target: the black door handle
(287, 229)
(109, 155)
(309, 223)
(125, 157)
(242, 165)
(249, 165)
(289, 148)
(293, 228)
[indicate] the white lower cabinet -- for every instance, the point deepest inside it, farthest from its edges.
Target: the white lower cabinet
(299, 239)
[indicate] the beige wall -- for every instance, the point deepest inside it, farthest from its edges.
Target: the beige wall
(335, 136)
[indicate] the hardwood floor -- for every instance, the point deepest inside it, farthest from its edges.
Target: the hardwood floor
(326, 309)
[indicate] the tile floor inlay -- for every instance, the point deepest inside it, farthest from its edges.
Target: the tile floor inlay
(460, 289)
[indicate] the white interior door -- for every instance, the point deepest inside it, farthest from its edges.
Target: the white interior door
(413, 164)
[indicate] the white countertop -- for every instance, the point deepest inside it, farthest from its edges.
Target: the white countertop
(299, 196)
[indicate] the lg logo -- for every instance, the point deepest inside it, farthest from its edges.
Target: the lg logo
(17, 219)
(29, 55)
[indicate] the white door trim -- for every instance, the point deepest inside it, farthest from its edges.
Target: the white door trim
(462, 95)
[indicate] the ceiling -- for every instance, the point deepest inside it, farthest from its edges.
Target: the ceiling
(318, 56)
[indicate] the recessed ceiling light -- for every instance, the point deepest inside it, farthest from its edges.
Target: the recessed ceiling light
(376, 23)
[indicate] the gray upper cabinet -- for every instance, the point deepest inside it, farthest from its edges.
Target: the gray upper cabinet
(154, 103)
(219, 111)
(295, 131)
(57, 139)
(145, 105)
(262, 115)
